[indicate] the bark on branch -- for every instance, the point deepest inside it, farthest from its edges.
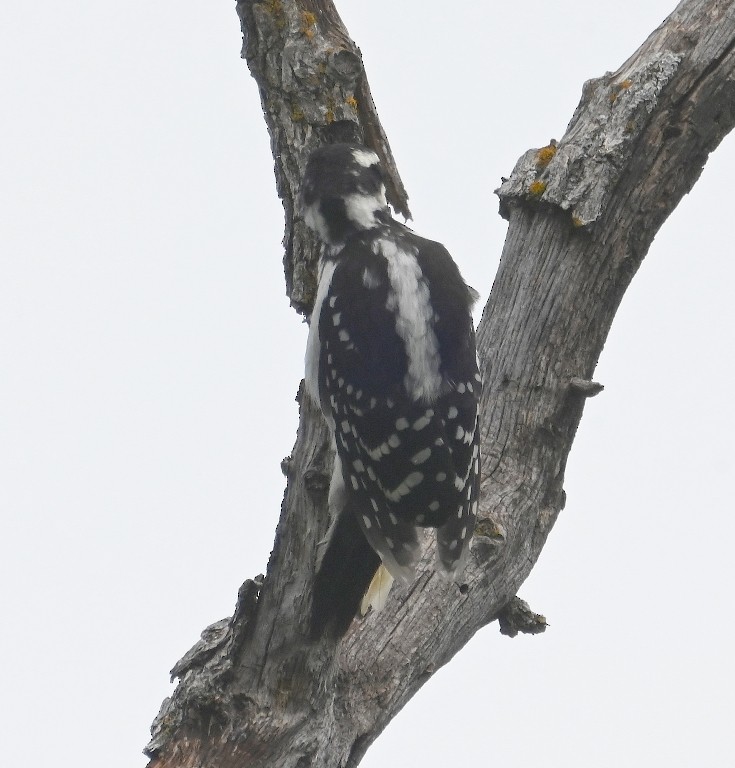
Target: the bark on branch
(582, 214)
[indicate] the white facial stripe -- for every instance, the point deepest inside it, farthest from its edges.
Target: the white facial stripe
(409, 296)
(361, 209)
(315, 221)
(365, 157)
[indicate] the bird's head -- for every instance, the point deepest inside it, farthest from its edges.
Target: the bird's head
(343, 192)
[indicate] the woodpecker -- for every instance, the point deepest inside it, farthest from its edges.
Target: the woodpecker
(391, 361)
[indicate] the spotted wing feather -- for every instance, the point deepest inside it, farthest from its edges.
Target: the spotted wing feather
(407, 463)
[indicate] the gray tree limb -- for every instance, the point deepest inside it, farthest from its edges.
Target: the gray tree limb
(582, 214)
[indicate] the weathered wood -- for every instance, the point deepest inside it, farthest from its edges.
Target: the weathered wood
(582, 214)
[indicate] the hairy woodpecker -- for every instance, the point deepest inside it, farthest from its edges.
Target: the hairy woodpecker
(391, 361)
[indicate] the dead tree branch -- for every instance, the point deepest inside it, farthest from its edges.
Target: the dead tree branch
(582, 214)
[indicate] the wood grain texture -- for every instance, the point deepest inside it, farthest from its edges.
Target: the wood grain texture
(582, 215)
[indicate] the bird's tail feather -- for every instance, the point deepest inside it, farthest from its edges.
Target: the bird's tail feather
(377, 593)
(344, 573)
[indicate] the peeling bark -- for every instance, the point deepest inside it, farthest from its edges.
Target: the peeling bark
(582, 214)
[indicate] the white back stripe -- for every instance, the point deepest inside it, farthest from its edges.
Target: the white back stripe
(409, 298)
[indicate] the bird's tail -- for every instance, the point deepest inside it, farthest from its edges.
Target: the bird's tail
(344, 573)
(378, 591)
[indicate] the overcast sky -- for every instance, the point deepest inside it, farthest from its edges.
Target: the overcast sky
(149, 362)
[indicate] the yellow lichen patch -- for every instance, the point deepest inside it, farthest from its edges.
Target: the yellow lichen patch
(329, 114)
(308, 22)
(297, 114)
(489, 528)
(545, 155)
(537, 188)
(276, 9)
(623, 85)
(274, 6)
(351, 101)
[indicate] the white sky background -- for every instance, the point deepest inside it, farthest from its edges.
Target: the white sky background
(149, 362)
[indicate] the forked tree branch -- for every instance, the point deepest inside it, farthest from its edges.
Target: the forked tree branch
(582, 214)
